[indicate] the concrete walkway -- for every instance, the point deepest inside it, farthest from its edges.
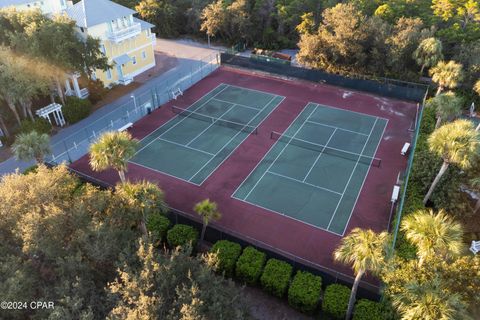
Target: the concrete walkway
(188, 54)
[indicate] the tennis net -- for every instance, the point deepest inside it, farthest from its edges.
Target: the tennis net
(222, 122)
(376, 162)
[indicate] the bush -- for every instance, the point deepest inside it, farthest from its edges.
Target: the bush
(181, 235)
(276, 277)
(367, 310)
(31, 169)
(227, 253)
(335, 300)
(76, 109)
(40, 125)
(304, 292)
(158, 225)
(250, 265)
(97, 90)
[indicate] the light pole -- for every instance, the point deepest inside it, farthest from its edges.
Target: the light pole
(134, 101)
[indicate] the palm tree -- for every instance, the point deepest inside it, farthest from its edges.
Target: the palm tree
(144, 196)
(433, 234)
(113, 150)
(366, 251)
(208, 211)
(428, 53)
(456, 143)
(476, 87)
(31, 146)
(447, 107)
(446, 75)
(429, 301)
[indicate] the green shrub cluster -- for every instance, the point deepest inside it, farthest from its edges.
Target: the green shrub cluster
(367, 310)
(97, 90)
(227, 253)
(158, 225)
(40, 125)
(76, 109)
(304, 292)
(250, 265)
(276, 277)
(420, 178)
(335, 300)
(181, 235)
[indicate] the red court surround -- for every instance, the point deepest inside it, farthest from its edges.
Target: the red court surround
(296, 238)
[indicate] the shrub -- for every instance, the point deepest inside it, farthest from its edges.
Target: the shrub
(40, 125)
(76, 109)
(335, 300)
(227, 253)
(158, 225)
(181, 235)
(276, 276)
(367, 310)
(97, 90)
(31, 169)
(249, 265)
(304, 292)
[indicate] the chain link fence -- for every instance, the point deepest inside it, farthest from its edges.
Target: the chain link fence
(77, 144)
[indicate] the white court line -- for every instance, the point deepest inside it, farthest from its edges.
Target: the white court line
(162, 172)
(185, 146)
(264, 92)
(351, 111)
(174, 118)
(286, 216)
(212, 124)
(351, 175)
(238, 104)
(302, 182)
(224, 146)
(326, 125)
(319, 155)
(269, 150)
(365, 178)
(281, 152)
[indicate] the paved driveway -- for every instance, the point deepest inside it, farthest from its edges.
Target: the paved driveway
(188, 56)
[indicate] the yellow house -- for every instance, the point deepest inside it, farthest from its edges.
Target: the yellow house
(127, 41)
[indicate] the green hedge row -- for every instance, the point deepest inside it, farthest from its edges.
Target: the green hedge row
(417, 187)
(275, 277)
(181, 235)
(76, 109)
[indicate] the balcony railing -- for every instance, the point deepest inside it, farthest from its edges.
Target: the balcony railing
(153, 37)
(124, 33)
(125, 80)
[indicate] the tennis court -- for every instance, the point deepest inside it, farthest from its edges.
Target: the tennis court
(316, 169)
(194, 143)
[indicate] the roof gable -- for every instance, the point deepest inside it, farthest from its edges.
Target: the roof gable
(88, 13)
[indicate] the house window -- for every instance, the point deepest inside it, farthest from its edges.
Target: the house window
(94, 76)
(103, 50)
(82, 29)
(144, 55)
(109, 74)
(149, 32)
(134, 60)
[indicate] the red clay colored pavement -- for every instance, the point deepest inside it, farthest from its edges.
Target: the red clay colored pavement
(294, 237)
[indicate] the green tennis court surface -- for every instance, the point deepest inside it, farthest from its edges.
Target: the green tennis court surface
(316, 169)
(195, 142)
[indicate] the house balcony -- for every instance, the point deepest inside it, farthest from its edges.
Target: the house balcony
(124, 33)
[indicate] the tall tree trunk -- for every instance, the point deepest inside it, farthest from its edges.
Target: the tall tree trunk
(4, 127)
(27, 109)
(121, 174)
(143, 228)
(13, 108)
(353, 295)
(60, 90)
(440, 173)
(421, 70)
(204, 227)
(477, 206)
(438, 123)
(439, 90)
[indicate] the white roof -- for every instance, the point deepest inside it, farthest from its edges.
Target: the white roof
(88, 13)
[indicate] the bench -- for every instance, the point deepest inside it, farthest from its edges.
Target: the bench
(405, 148)
(125, 127)
(176, 93)
(475, 247)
